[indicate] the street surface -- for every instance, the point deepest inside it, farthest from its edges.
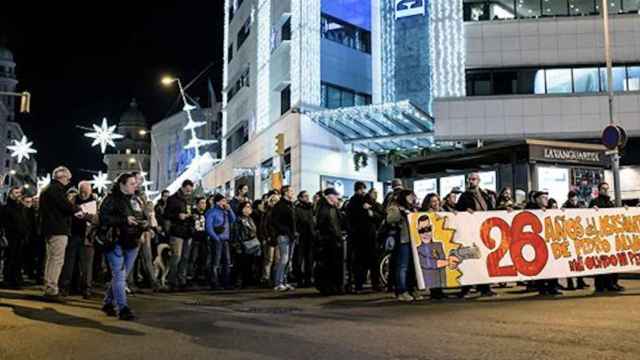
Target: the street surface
(259, 324)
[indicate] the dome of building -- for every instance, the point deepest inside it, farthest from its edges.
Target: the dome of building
(133, 117)
(5, 54)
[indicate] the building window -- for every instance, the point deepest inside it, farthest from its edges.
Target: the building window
(346, 34)
(619, 79)
(230, 53)
(485, 10)
(241, 82)
(334, 97)
(238, 137)
(244, 32)
(285, 100)
(559, 81)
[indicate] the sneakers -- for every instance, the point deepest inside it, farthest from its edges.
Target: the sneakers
(109, 310)
(126, 314)
(280, 288)
(53, 298)
(405, 297)
(289, 287)
(416, 296)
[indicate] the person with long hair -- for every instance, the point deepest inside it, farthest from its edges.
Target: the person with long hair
(245, 236)
(123, 215)
(431, 203)
(405, 287)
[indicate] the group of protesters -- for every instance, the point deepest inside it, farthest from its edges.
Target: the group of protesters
(68, 239)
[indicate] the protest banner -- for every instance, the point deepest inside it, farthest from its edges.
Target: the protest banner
(451, 250)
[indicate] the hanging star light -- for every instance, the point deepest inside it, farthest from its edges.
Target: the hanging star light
(100, 182)
(22, 149)
(43, 182)
(104, 135)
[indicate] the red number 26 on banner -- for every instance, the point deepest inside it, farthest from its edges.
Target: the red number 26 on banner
(513, 241)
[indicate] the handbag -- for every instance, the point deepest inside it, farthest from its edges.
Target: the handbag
(251, 247)
(220, 229)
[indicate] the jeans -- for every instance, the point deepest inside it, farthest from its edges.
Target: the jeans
(220, 256)
(179, 261)
(56, 246)
(403, 262)
(121, 263)
(269, 254)
(285, 251)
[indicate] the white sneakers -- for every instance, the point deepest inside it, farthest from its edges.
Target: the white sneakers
(405, 297)
(282, 288)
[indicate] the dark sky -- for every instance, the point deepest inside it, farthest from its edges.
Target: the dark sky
(83, 62)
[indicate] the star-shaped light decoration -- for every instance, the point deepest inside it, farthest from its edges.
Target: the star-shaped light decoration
(22, 149)
(104, 135)
(196, 142)
(43, 182)
(100, 182)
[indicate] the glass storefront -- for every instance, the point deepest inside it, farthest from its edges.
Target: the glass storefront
(485, 10)
(561, 80)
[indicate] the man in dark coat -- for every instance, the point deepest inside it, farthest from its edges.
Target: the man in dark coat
(178, 212)
(56, 212)
(303, 256)
(607, 282)
(16, 230)
(328, 274)
(476, 199)
(363, 221)
(541, 202)
(283, 222)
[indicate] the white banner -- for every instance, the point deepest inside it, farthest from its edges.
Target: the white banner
(452, 250)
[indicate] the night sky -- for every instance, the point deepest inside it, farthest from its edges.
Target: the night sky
(82, 63)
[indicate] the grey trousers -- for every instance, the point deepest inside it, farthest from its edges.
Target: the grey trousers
(56, 246)
(179, 263)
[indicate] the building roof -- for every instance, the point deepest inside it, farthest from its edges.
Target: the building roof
(6, 54)
(133, 117)
(379, 128)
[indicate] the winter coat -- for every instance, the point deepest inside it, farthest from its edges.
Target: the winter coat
(328, 223)
(467, 202)
(364, 222)
(305, 222)
(115, 210)
(178, 204)
(397, 217)
(15, 222)
(56, 210)
(283, 219)
(218, 217)
(602, 202)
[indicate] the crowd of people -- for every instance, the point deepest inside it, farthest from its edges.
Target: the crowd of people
(68, 239)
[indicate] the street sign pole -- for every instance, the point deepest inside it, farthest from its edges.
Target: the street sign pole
(615, 158)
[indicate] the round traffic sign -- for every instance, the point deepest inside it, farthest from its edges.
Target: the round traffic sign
(611, 137)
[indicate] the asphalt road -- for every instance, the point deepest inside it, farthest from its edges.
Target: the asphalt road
(260, 324)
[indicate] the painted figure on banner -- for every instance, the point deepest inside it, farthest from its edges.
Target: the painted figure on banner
(437, 252)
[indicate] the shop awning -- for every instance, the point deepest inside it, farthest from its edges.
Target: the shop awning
(379, 128)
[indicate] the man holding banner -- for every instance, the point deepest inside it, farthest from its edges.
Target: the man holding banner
(608, 282)
(472, 200)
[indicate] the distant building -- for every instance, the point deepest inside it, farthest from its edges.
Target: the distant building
(11, 173)
(168, 138)
(132, 153)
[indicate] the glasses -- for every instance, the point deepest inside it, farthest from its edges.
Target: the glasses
(424, 230)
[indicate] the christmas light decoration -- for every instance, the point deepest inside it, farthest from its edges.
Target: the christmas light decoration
(104, 135)
(43, 182)
(100, 182)
(22, 149)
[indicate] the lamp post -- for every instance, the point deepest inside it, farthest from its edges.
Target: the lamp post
(615, 157)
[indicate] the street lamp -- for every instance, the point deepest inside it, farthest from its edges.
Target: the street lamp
(142, 132)
(191, 125)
